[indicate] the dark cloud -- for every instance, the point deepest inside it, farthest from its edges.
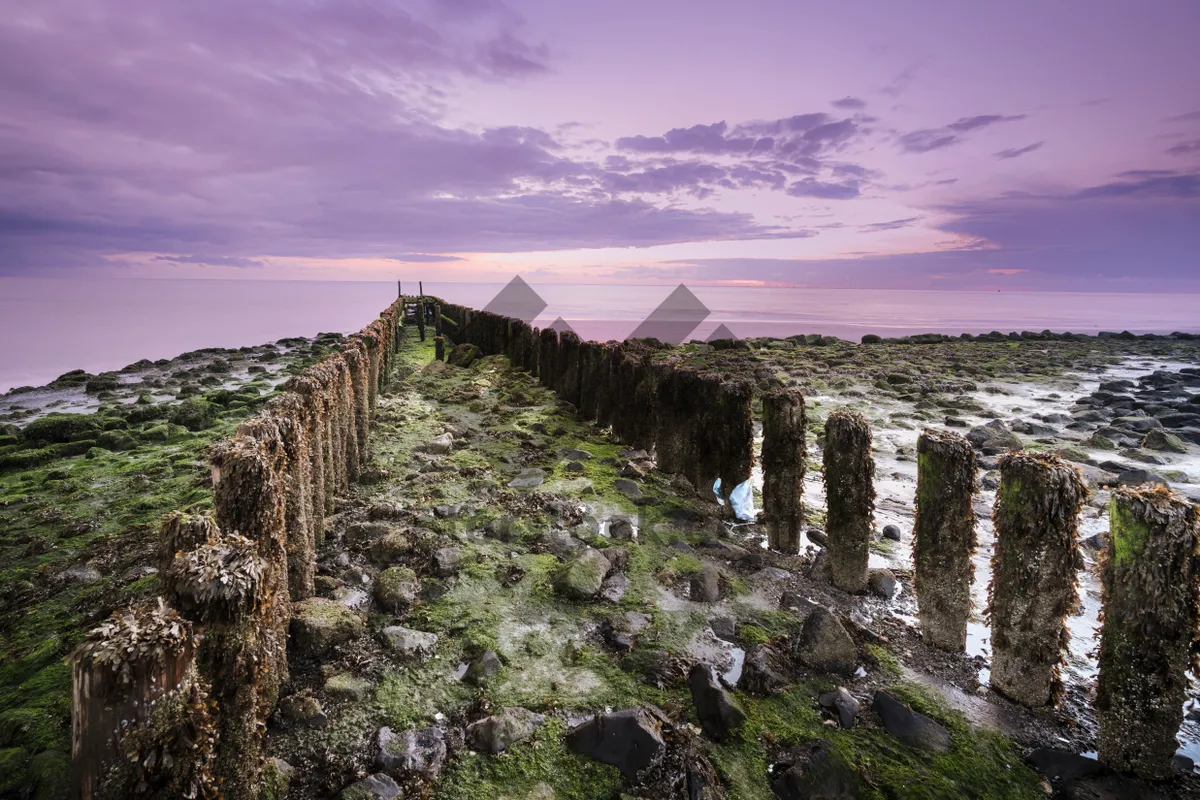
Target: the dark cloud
(982, 121)
(851, 103)
(928, 139)
(809, 187)
(1185, 148)
(213, 261)
(1147, 184)
(877, 227)
(1018, 151)
(1188, 117)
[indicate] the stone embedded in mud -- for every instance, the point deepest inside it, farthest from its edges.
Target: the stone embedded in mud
(373, 787)
(619, 630)
(994, 438)
(506, 727)
(447, 561)
(720, 715)
(574, 466)
(891, 532)
(1062, 766)
(303, 710)
(528, 479)
(582, 578)
(560, 543)
(794, 601)
(409, 644)
(386, 510)
(420, 751)
(764, 671)
(706, 585)
(817, 537)
(344, 686)
(620, 528)
(363, 532)
(613, 588)
(618, 557)
(769, 574)
(390, 548)
(882, 583)
(915, 730)
(841, 704)
(483, 668)
(724, 627)
(627, 487)
(1165, 442)
(816, 771)
(824, 644)
(396, 589)
(440, 445)
(577, 455)
(629, 740)
(319, 625)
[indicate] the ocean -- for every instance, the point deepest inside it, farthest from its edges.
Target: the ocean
(52, 326)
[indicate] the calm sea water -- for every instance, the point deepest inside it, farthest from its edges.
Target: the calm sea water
(48, 327)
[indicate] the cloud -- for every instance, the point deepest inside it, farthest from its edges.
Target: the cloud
(1019, 151)
(1009, 271)
(1185, 148)
(877, 227)
(424, 258)
(1188, 117)
(929, 139)
(1147, 184)
(851, 103)
(213, 261)
(809, 187)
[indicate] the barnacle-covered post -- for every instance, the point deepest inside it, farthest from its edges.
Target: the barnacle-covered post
(421, 318)
(944, 537)
(849, 496)
(439, 348)
(1150, 574)
(1033, 586)
(548, 357)
(217, 586)
(783, 463)
(182, 532)
(732, 432)
(140, 725)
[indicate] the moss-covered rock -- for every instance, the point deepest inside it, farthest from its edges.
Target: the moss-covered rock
(396, 588)
(319, 625)
(116, 440)
(57, 428)
(195, 414)
(582, 577)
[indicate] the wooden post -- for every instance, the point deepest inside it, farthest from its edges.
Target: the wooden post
(139, 711)
(399, 289)
(421, 319)
(421, 288)
(1033, 586)
(849, 497)
(944, 537)
(1150, 571)
(783, 461)
(437, 318)
(439, 348)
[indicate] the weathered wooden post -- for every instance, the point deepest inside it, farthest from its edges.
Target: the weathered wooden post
(944, 537)
(849, 496)
(783, 462)
(399, 289)
(421, 318)
(1033, 586)
(437, 319)
(218, 586)
(439, 348)
(140, 724)
(1150, 572)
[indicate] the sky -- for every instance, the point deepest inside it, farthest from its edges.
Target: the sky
(919, 145)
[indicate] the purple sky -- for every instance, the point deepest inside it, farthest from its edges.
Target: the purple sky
(1024, 145)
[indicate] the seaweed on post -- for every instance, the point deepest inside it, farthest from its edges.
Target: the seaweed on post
(849, 476)
(1150, 573)
(1033, 586)
(944, 537)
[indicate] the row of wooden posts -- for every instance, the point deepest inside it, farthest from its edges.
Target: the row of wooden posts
(700, 426)
(159, 711)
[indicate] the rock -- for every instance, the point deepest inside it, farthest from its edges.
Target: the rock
(319, 625)
(994, 438)
(447, 561)
(620, 528)
(1110, 787)
(303, 709)
(769, 574)
(763, 671)
(577, 455)
(619, 629)
(362, 532)
(560, 543)
(627, 487)
(409, 644)
(632, 470)
(1164, 442)
(817, 537)
(396, 589)
(344, 686)
(582, 578)
(80, 575)
(1095, 542)
(706, 585)
(823, 644)
(574, 466)
(420, 751)
(528, 479)
(390, 548)
(796, 602)
(373, 787)
(483, 668)
(449, 511)
(440, 445)
(614, 586)
(630, 740)
(1060, 766)
(817, 772)
(724, 627)
(891, 532)
(1184, 764)
(913, 729)
(1136, 477)
(386, 510)
(506, 727)
(882, 583)
(842, 705)
(506, 529)
(720, 715)
(463, 355)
